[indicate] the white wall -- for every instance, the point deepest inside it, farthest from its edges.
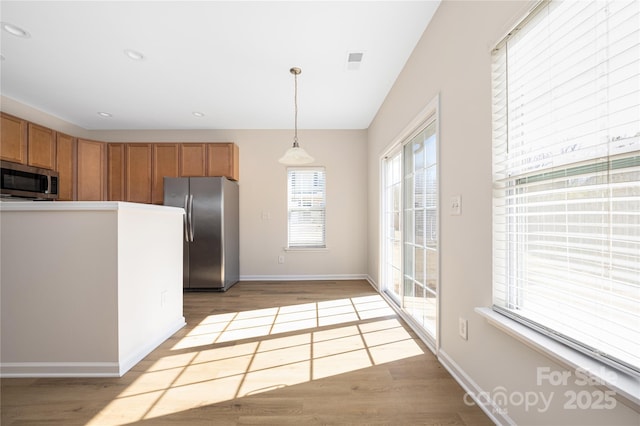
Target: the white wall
(150, 294)
(263, 193)
(453, 60)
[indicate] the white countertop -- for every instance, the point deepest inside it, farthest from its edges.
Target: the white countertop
(33, 206)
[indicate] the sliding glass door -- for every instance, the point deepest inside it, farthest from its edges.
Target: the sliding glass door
(411, 241)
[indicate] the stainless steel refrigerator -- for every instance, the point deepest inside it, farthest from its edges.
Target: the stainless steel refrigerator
(211, 230)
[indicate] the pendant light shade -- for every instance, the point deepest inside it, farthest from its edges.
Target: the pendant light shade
(296, 156)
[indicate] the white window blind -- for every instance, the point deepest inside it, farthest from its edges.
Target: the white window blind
(306, 201)
(566, 135)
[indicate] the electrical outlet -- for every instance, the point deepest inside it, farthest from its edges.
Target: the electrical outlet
(163, 299)
(280, 259)
(462, 328)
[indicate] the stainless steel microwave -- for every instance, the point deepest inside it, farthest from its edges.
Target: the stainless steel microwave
(19, 180)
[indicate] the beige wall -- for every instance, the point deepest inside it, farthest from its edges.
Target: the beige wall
(452, 60)
(263, 198)
(263, 192)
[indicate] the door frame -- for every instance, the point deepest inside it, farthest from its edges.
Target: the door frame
(431, 112)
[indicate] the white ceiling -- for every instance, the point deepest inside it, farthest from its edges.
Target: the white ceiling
(229, 60)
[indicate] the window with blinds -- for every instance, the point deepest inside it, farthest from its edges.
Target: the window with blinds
(306, 211)
(566, 167)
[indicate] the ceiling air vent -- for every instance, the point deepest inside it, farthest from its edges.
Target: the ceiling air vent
(354, 59)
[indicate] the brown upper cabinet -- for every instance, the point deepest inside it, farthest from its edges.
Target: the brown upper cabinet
(91, 175)
(92, 170)
(138, 172)
(66, 166)
(27, 143)
(165, 164)
(115, 172)
(209, 159)
(13, 139)
(41, 148)
(193, 159)
(223, 160)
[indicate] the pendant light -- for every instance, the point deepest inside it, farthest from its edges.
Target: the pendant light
(295, 155)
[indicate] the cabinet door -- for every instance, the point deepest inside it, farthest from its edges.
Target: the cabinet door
(138, 172)
(193, 159)
(165, 164)
(66, 166)
(222, 160)
(13, 139)
(115, 172)
(91, 170)
(41, 149)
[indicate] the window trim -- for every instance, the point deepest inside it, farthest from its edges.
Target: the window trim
(625, 386)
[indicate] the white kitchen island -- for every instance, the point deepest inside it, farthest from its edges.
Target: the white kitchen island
(87, 288)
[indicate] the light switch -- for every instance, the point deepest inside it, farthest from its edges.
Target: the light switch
(456, 205)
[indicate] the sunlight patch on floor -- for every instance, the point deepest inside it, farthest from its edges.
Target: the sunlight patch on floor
(233, 355)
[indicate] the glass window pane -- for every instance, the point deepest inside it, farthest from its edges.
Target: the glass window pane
(395, 255)
(396, 198)
(408, 260)
(409, 226)
(397, 279)
(418, 156)
(430, 150)
(408, 290)
(419, 232)
(432, 270)
(408, 159)
(420, 265)
(408, 192)
(419, 189)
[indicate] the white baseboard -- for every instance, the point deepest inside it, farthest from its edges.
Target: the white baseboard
(338, 277)
(373, 283)
(87, 369)
(491, 409)
(59, 369)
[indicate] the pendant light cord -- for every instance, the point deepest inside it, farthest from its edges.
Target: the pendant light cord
(295, 103)
(295, 155)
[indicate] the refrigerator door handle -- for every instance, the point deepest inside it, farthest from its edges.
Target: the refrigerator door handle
(186, 219)
(191, 227)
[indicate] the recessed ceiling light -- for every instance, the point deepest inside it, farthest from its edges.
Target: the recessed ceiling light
(198, 114)
(16, 31)
(104, 114)
(133, 54)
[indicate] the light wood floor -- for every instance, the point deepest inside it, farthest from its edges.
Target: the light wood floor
(291, 353)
